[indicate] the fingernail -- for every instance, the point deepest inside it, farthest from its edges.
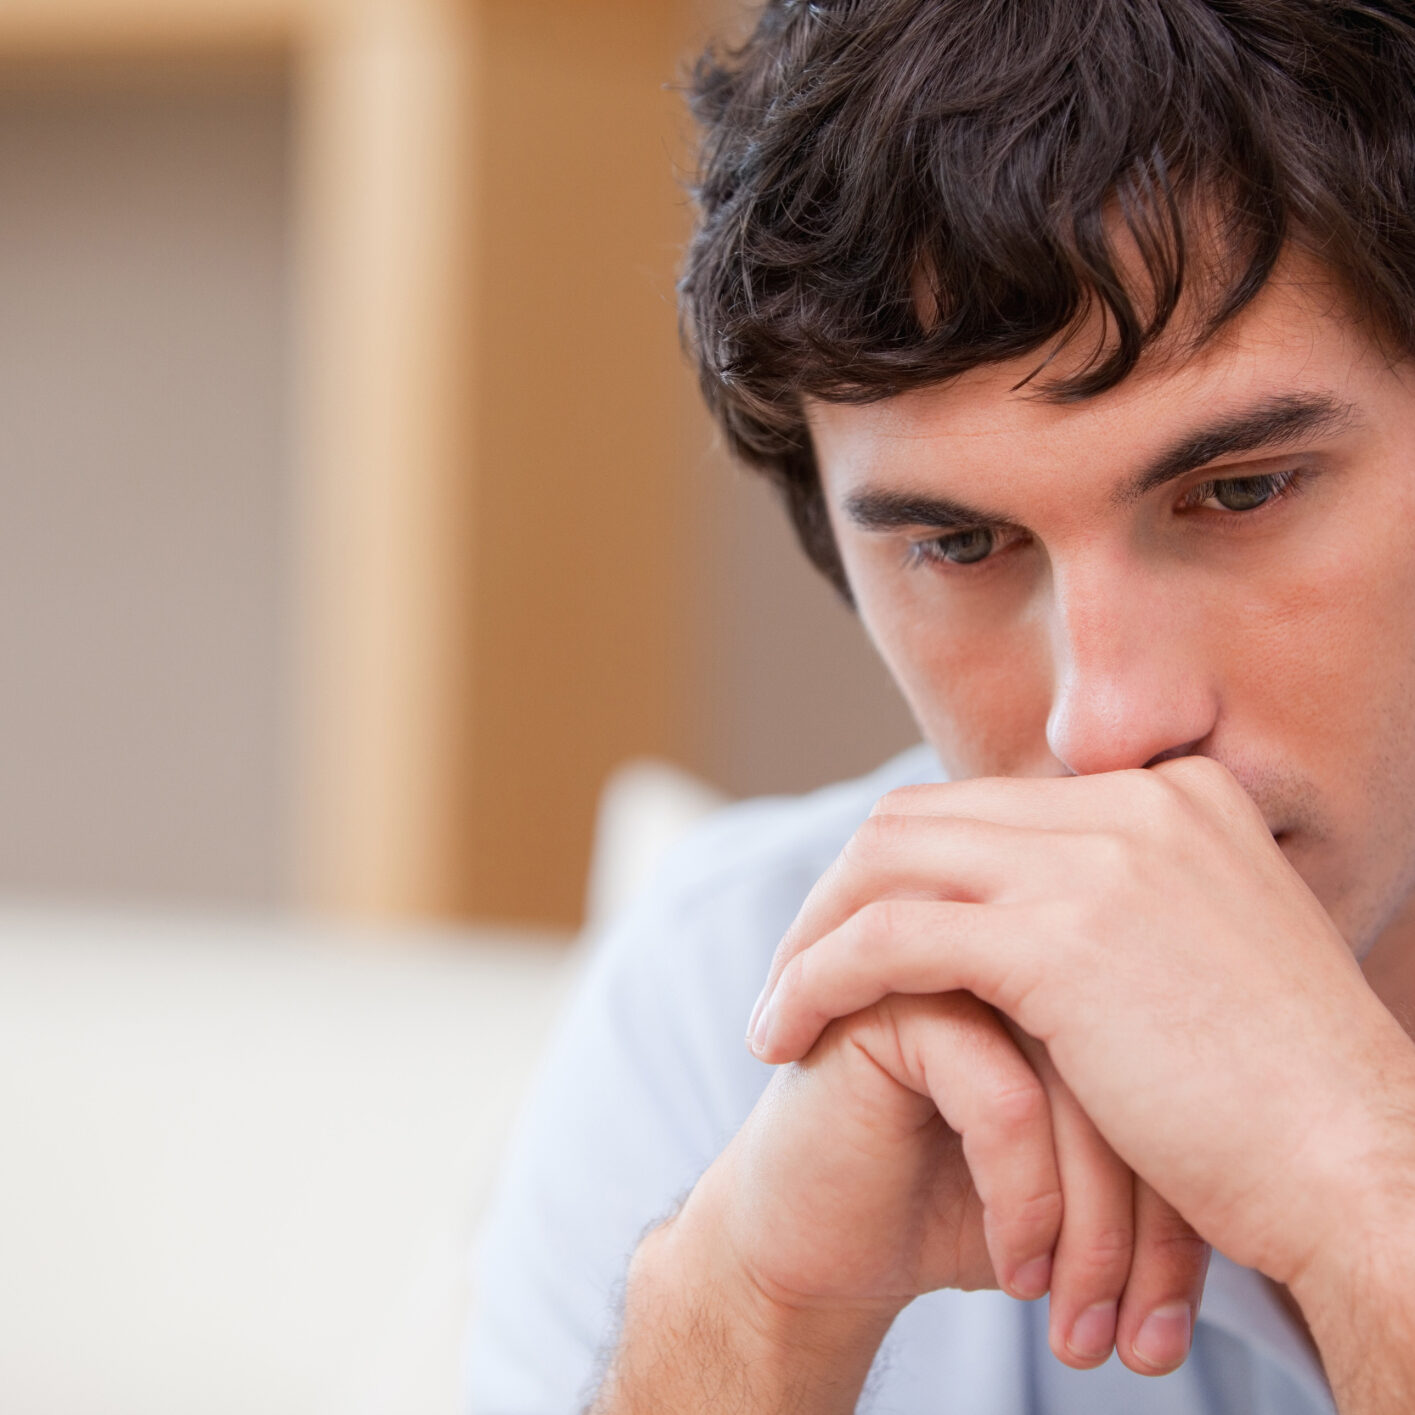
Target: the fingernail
(1163, 1339)
(1032, 1279)
(1094, 1333)
(761, 1031)
(756, 1014)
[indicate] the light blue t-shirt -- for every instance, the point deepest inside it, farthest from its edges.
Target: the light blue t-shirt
(649, 1079)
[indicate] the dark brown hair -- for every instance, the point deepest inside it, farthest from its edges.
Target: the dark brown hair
(992, 149)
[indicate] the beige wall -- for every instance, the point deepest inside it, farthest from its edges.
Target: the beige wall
(626, 590)
(789, 693)
(144, 483)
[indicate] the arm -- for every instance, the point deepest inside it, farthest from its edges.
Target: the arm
(698, 1339)
(1147, 929)
(1359, 1301)
(644, 1085)
(915, 1148)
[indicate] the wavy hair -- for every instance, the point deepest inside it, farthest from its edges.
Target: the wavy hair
(862, 160)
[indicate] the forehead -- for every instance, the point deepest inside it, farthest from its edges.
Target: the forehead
(1296, 338)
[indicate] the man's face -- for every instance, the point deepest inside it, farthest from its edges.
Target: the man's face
(1215, 557)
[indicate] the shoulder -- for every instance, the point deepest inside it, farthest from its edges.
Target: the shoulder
(769, 850)
(668, 984)
(647, 1080)
(672, 980)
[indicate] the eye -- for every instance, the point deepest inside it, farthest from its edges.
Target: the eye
(1239, 494)
(957, 547)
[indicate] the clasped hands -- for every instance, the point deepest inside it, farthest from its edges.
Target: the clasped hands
(1055, 1036)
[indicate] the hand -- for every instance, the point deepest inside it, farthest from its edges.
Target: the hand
(1147, 930)
(915, 1148)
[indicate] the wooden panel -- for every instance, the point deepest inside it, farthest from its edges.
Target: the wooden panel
(496, 407)
(386, 190)
(580, 565)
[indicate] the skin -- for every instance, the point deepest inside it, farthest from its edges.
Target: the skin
(1280, 643)
(1180, 727)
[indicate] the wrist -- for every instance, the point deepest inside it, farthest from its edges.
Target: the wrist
(1369, 1258)
(1364, 1263)
(1359, 1306)
(693, 1250)
(702, 1331)
(696, 1243)
(1348, 1182)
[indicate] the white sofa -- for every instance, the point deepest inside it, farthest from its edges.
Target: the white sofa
(242, 1161)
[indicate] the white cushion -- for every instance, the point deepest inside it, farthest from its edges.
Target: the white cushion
(243, 1161)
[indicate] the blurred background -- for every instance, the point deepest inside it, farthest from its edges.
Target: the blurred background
(360, 522)
(360, 516)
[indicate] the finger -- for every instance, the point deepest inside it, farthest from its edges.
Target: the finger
(1161, 1299)
(1117, 801)
(956, 1049)
(1038, 802)
(906, 946)
(1200, 778)
(1050, 806)
(1007, 815)
(918, 857)
(1095, 1249)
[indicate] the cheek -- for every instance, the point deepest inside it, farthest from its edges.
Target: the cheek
(980, 692)
(1327, 681)
(1331, 642)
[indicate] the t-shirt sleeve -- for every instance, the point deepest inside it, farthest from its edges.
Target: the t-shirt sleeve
(648, 1079)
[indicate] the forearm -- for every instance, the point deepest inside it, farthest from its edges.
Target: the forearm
(1359, 1301)
(1369, 1355)
(698, 1338)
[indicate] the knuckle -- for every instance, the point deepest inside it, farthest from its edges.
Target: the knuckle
(1190, 783)
(877, 836)
(1036, 1213)
(1020, 1106)
(902, 800)
(848, 952)
(1112, 853)
(1104, 1251)
(877, 920)
(864, 937)
(1077, 918)
(1195, 770)
(794, 981)
(1155, 792)
(1178, 1247)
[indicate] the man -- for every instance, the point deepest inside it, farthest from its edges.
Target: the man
(1079, 339)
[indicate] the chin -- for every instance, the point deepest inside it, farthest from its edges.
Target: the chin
(1349, 903)
(1362, 913)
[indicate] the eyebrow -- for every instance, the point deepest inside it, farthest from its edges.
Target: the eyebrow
(1267, 426)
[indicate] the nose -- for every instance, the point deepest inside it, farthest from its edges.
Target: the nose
(1131, 686)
